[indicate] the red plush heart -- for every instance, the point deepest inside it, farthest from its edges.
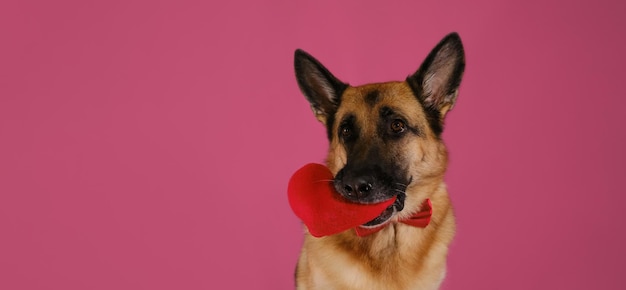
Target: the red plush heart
(323, 210)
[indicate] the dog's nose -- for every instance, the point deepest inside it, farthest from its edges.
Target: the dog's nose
(358, 188)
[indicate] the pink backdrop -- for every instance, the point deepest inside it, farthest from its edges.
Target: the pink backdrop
(147, 145)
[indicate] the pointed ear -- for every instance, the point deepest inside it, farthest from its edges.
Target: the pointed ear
(436, 82)
(319, 86)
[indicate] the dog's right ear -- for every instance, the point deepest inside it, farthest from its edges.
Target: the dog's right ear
(319, 86)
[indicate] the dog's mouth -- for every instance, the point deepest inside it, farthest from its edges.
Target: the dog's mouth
(388, 213)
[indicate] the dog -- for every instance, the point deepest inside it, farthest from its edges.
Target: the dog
(385, 142)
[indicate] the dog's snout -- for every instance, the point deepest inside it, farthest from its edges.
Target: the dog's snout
(364, 184)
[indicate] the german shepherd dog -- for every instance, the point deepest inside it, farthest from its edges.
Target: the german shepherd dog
(384, 142)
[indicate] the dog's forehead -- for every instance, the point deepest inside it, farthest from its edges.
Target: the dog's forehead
(365, 102)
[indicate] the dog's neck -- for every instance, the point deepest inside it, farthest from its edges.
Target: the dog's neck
(393, 238)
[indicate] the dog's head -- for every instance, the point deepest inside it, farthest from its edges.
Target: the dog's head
(385, 137)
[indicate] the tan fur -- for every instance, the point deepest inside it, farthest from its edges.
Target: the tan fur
(399, 256)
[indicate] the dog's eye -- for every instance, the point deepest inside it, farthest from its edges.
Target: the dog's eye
(346, 132)
(397, 126)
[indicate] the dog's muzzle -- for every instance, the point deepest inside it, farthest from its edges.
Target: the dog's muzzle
(388, 213)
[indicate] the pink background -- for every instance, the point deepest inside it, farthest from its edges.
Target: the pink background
(147, 145)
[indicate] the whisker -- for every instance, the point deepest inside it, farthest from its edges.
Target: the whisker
(400, 191)
(324, 180)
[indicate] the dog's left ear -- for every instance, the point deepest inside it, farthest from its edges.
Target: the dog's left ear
(436, 82)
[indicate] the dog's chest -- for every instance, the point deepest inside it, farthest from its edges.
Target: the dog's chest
(379, 265)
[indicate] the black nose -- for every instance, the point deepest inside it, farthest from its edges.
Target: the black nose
(358, 187)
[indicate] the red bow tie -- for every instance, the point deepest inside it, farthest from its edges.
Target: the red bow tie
(420, 219)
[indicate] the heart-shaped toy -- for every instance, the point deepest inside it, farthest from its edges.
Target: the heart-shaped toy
(323, 210)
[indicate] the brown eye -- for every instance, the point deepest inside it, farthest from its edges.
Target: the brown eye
(345, 132)
(397, 126)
